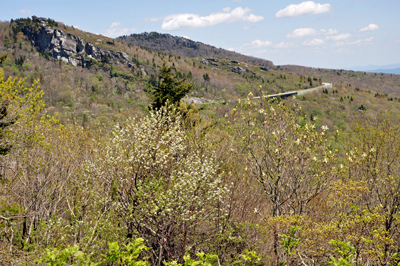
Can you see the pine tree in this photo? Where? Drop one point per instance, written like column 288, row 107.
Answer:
column 170, row 88
column 2, row 58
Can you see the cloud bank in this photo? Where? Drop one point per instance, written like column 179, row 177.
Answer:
column 305, row 8
column 25, row 11
column 314, row 42
column 298, row 33
column 370, row 27
column 115, row 31
column 179, row 21
column 303, row 32
column 339, row 37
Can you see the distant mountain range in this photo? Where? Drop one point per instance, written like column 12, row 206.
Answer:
column 388, row 69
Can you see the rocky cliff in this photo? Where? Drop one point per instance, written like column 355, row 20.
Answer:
column 67, row 47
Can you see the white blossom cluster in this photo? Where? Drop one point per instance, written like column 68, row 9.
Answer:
column 155, row 179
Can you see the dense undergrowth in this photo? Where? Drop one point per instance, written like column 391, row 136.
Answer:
column 264, row 186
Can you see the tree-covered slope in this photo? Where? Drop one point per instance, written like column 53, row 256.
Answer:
column 182, row 46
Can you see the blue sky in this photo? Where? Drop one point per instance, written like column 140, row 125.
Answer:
column 326, row 33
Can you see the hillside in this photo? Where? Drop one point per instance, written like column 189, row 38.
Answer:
column 182, row 46
column 381, row 83
column 95, row 78
column 92, row 78
column 90, row 175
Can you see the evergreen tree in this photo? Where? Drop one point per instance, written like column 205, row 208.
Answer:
column 170, row 88
column 4, row 147
column 2, row 58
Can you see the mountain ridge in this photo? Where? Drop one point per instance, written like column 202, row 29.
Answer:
column 167, row 43
column 372, row 68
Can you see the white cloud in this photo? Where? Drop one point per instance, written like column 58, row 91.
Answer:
column 257, row 44
column 302, row 32
column 186, row 37
column 354, row 42
column 348, row 43
column 25, row 11
column 231, row 49
column 283, row 45
column 314, row 42
column 114, row 31
column 339, row 37
column 298, row 33
column 179, row 21
column 226, row 9
column 153, row 19
column 115, row 24
column 246, row 28
column 370, row 27
column 329, row 32
column 305, row 8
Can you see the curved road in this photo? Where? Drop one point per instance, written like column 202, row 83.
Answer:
column 325, row 85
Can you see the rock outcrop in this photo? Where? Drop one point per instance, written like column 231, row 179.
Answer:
column 209, row 61
column 204, row 62
column 69, row 48
column 240, row 70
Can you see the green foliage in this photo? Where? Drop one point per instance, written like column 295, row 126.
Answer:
column 170, row 89
column 345, row 253
column 128, row 256
column 18, row 105
column 249, row 258
column 202, row 260
column 67, row 256
column 289, row 241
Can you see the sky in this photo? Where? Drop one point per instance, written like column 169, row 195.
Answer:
column 327, row 33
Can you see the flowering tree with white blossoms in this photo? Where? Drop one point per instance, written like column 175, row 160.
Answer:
column 164, row 193
column 292, row 160
column 288, row 156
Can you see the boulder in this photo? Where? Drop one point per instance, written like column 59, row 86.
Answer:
column 249, row 71
column 237, row 69
column 144, row 73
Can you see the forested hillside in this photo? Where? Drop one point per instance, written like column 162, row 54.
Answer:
column 182, row 46
column 107, row 162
